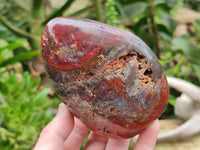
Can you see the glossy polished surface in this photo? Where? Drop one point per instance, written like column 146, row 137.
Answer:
column 108, row 77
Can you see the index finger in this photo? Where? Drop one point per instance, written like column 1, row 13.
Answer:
column 54, row 134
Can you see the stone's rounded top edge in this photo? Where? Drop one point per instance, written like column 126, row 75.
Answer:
column 93, row 26
column 100, row 34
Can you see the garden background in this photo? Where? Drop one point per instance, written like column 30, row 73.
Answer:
column 27, row 102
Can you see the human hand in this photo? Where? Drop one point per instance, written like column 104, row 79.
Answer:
column 66, row 132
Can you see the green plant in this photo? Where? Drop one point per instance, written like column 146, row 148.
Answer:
column 21, row 24
column 8, row 56
column 112, row 14
column 24, row 110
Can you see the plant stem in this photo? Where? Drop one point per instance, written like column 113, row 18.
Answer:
column 60, row 11
column 16, row 30
column 81, row 11
column 37, row 15
column 37, row 9
column 98, row 7
column 154, row 26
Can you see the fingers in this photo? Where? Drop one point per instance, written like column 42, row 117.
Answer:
column 148, row 137
column 117, row 144
column 99, row 142
column 54, row 134
column 96, row 141
column 77, row 136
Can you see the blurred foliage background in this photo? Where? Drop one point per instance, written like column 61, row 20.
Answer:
column 27, row 103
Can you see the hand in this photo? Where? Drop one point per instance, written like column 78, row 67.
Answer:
column 66, row 132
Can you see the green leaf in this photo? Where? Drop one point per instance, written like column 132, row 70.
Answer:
column 196, row 25
column 184, row 43
column 172, row 100
column 12, row 46
column 19, row 57
column 120, row 9
column 5, row 133
column 135, row 9
column 43, row 93
column 3, row 42
column 176, row 70
column 171, row 3
column 157, row 2
column 36, row 83
column 168, row 22
column 196, row 70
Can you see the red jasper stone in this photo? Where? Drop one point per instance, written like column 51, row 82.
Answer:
column 108, row 77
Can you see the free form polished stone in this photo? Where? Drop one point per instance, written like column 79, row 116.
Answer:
column 108, row 77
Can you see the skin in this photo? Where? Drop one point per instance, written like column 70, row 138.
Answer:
column 55, row 136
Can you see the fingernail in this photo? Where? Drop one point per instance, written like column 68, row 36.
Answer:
column 62, row 110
